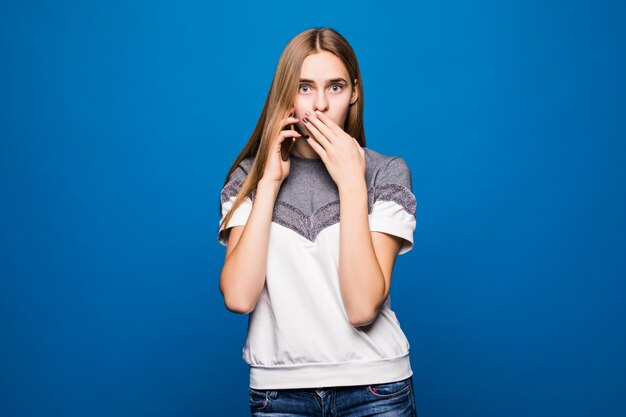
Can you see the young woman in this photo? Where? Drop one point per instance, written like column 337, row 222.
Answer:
column 312, row 221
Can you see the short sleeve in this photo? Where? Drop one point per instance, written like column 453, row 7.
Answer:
column 393, row 204
column 227, row 198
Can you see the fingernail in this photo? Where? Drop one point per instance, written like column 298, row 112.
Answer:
column 305, row 120
column 307, row 113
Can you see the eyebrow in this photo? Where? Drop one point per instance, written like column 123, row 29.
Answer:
column 334, row 80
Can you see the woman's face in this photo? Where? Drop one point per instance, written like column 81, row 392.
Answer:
column 324, row 86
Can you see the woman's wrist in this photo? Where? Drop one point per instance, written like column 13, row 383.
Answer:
column 269, row 187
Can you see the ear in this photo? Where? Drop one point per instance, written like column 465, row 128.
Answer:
column 355, row 93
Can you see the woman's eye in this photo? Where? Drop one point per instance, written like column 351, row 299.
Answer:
column 335, row 87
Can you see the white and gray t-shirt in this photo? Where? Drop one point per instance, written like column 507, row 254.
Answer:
column 299, row 335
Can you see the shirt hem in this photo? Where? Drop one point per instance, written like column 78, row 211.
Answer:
column 316, row 375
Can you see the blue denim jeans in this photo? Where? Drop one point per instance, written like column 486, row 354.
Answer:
column 394, row 399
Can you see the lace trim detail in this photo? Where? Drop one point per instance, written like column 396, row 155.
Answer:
column 310, row 226
column 231, row 190
column 397, row 193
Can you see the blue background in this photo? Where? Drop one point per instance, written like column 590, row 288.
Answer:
column 119, row 120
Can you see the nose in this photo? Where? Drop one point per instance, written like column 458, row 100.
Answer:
column 320, row 103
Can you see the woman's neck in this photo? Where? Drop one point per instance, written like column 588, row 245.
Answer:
column 303, row 149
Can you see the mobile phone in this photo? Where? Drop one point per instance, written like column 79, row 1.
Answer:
column 287, row 145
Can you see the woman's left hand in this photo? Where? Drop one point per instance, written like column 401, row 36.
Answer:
column 341, row 153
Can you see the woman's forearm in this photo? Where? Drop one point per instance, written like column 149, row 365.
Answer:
column 361, row 279
column 243, row 274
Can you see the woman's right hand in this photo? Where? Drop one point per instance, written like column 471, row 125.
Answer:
column 276, row 170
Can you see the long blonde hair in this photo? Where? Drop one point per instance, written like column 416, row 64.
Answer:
column 281, row 98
